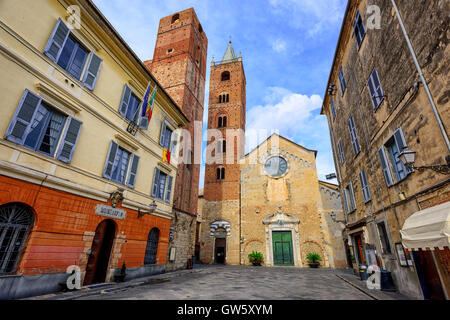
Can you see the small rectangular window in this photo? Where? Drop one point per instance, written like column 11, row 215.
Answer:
column 358, row 29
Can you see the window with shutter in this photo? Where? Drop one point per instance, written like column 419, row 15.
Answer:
column 385, row 167
column 166, row 136
column 110, row 160
column 333, row 110
column 375, row 89
column 92, row 71
column 57, row 40
column 384, row 238
column 155, row 182
column 358, row 28
column 69, row 141
column 24, row 117
column 152, row 247
column 345, row 200
column 169, row 188
column 126, row 95
column 161, row 185
column 351, row 196
column 342, row 81
column 353, row 135
column 341, row 152
column 133, row 171
column 365, row 186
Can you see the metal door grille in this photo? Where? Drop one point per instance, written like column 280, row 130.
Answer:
column 16, row 221
column 152, row 247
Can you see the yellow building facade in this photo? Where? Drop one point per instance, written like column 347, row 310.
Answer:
column 72, row 93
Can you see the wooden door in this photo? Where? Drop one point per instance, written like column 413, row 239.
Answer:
column 220, row 250
column 359, row 249
column 283, row 254
column 98, row 261
column 428, row 276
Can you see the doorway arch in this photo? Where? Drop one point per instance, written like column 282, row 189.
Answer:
column 98, row 262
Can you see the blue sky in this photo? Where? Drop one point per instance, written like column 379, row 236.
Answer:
column 287, row 48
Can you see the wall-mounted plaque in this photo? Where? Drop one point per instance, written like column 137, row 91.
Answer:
column 110, row 212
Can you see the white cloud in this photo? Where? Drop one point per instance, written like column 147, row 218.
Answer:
column 279, row 45
column 314, row 16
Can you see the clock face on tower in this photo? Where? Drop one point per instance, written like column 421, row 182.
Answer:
column 276, row 166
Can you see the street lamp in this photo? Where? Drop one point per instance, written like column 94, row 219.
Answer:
column 408, row 157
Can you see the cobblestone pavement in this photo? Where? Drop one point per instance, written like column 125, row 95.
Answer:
column 246, row 283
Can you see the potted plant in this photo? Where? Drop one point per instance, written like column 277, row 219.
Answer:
column 256, row 258
column 121, row 276
column 313, row 260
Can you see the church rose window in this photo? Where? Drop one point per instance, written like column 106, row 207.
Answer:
column 276, row 166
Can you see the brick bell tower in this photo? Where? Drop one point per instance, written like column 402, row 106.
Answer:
column 226, row 114
column 179, row 65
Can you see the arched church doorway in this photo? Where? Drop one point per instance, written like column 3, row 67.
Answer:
column 102, row 244
column 220, row 246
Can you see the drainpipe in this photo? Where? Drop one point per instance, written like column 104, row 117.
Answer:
column 422, row 78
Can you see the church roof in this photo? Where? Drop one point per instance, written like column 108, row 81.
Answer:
column 229, row 55
column 276, row 134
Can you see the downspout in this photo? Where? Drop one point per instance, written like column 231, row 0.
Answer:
column 422, row 78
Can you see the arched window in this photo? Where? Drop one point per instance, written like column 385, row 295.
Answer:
column 224, row 98
column 152, row 247
column 16, row 221
column 222, row 121
column 220, row 173
column 225, row 76
column 175, row 18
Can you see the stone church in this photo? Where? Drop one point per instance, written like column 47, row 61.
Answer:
column 269, row 200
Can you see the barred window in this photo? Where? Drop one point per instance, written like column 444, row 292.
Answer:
column 152, row 247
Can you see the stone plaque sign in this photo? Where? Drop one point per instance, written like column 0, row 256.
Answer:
column 110, row 212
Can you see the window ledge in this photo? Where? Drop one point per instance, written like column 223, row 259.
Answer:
column 50, row 95
column 126, row 143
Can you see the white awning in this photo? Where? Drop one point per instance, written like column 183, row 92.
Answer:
column 429, row 228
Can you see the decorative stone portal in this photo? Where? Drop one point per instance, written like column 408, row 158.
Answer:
column 220, row 230
column 278, row 223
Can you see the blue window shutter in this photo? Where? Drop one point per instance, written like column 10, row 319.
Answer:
column 385, row 167
column 23, row 118
column 112, row 153
column 365, row 186
column 163, row 133
column 353, row 135
column 341, row 152
column 57, row 40
column 342, row 80
column 169, row 189
column 344, row 193
column 133, row 171
column 126, row 96
column 333, row 109
column 155, row 185
column 70, row 139
column 372, row 92
column 92, row 71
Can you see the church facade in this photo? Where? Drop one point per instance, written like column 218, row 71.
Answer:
column 269, row 200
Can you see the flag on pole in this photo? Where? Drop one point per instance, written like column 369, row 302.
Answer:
column 149, row 100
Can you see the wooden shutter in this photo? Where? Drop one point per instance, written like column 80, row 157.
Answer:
column 341, row 152
column 133, row 171
column 344, row 193
column 333, row 109
column 92, row 71
column 352, row 197
column 385, row 167
column 113, row 148
column 353, row 135
column 169, row 188
column 342, row 80
column 57, row 40
column 23, row 118
column 126, row 96
column 155, row 185
column 70, row 139
column 365, row 186
column 163, row 134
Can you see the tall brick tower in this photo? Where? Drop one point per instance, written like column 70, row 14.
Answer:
column 226, row 114
column 179, row 64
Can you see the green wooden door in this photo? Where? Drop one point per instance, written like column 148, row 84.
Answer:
column 283, row 254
